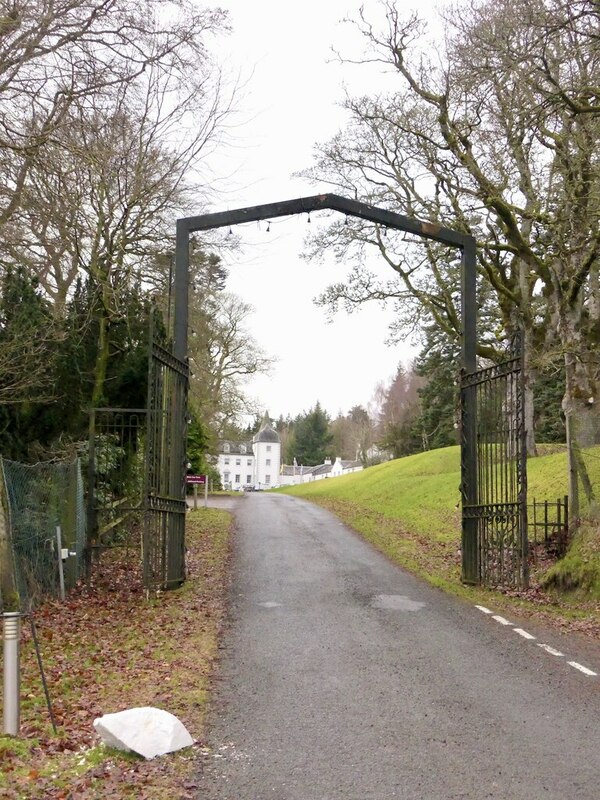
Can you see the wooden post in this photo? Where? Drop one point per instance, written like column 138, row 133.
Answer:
column 9, row 594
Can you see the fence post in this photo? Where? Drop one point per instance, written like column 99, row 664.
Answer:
column 9, row 594
column 61, row 574
column 11, row 627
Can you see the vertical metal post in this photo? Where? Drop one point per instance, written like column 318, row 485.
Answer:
column 195, row 497
column 149, row 474
column 206, row 491
column 469, row 488
column 522, row 469
column 11, row 626
column 61, row 574
column 182, row 269
column 91, row 501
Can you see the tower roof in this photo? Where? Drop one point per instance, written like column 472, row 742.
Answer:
column 266, row 433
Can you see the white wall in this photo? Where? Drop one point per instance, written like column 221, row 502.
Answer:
column 244, row 471
column 267, row 464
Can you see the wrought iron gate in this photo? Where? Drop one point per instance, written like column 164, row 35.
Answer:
column 163, row 543
column 116, row 478
column 136, row 475
column 494, row 475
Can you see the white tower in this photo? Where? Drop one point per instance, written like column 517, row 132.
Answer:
column 267, row 455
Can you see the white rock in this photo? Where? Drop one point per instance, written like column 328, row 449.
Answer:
column 147, row 731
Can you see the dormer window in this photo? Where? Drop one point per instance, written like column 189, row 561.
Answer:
column 242, row 448
column 226, row 447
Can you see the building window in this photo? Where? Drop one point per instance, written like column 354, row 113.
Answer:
column 267, row 480
column 248, row 479
column 249, row 462
column 268, row 462
column 268, row 448
column 226, row 447
column 238, row 461
column 242, row 448
column 226, row 460
column 237, row 478
column 225, row 477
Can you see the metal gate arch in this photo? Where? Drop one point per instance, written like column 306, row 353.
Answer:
column 473, row 534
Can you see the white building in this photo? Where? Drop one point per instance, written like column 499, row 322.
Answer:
column 253, row 464
column 257, row 464
column 292, row 475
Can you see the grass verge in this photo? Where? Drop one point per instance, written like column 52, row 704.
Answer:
column 409, row 509
column 106, row 649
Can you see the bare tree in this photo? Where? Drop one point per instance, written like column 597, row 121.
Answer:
column 54, row 53
column 223, row 355
column 496, row 135
column 101, row 199
column 353, row 434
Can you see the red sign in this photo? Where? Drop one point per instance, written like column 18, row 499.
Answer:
column 195, row 479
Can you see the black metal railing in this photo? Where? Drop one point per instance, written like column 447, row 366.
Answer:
column 136, row 474
column 548, row 525
column 494, row 472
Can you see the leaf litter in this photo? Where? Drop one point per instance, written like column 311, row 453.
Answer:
column 108, row 648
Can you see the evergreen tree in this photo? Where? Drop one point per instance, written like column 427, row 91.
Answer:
column 29, row 342
column 549, row 418
column 313, row 437
column 439, row 364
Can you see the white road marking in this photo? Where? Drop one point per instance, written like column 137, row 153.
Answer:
column 581, row 668
column 501, row 620
column 550, row 650
column 546, row 647
column 523, row 633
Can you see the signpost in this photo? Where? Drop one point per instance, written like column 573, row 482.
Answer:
column 195, row 481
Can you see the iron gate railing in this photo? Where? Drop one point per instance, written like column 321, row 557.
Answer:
column 136, row 474
column 552, row 519
column 163, row 544
column 499, row 474
column 116, row 468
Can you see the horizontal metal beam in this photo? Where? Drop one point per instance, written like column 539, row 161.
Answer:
column 333, row 202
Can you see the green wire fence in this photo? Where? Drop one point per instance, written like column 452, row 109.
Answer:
column 42, row 531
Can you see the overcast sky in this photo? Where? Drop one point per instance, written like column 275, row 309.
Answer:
column 293, row 89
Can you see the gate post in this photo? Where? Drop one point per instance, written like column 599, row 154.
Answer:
column 91, row 497
column 182, row 268
column 470, row 572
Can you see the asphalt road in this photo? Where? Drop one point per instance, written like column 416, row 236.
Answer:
column 344, row 677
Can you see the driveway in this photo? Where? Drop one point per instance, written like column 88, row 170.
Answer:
column 344, row 677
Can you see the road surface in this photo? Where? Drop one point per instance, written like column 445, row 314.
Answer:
column 344, row 677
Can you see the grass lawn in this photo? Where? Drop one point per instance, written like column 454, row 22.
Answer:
column 409, row 509
column 106, row 649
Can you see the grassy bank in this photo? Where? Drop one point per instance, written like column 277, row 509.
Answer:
column 107, row 649
column 409, row 509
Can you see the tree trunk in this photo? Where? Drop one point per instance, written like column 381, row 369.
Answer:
column 579, row 405
column 101, row 366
